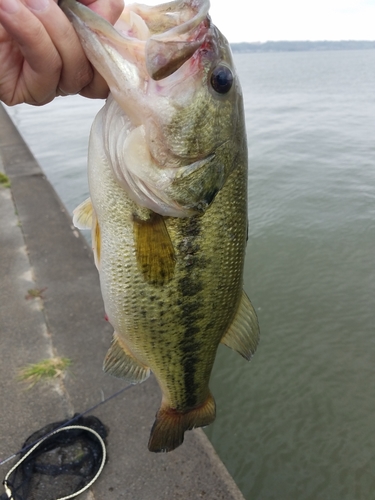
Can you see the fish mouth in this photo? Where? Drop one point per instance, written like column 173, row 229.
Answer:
column 164, row 36
column 167, row 52
column 143, row 61
column 145, row 45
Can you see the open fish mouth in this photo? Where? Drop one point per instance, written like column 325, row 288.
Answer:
column 165, row 36
column 154, row 61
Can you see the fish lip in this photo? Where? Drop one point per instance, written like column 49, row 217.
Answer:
column 82, row 14
column 105, row 28
column 203, row 6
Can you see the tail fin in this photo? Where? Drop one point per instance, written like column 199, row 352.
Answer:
column 169, row 427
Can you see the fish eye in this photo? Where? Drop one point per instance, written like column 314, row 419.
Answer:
column 222, row 79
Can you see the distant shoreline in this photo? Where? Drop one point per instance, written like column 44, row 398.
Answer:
column 299, row 46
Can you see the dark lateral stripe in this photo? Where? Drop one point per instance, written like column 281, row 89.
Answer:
column 190, row 289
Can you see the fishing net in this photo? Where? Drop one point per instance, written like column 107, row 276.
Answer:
column 58, row 462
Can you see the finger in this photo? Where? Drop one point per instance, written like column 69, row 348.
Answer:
column 40, row 74
column 109, row 9
column 97, row 88
column 76, row 71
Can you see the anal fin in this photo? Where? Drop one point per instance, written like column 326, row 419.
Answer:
column 169, row 427
column 119, row 362
column 243, row 334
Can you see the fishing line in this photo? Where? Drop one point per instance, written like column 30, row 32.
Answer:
column 67, row 423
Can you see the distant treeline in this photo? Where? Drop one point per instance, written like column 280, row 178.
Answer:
column 301, row 46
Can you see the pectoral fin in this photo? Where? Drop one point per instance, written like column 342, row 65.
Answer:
column 119, row 362
column 243, row 334
column 96, row 242
column 82, row 215
column 155, row 252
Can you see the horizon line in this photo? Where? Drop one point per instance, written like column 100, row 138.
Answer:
column 306, row 41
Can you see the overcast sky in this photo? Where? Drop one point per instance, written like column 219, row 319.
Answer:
column 262, row 20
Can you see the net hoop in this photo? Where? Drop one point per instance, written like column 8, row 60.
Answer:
column 7, row 488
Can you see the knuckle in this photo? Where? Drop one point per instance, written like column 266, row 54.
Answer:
column 77, row 80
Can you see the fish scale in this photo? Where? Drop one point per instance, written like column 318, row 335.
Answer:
column 168, row 209
column 199, row 288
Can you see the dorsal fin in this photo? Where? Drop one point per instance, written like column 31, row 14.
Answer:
column 243, row 334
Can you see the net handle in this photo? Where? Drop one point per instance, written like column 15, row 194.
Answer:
column 8, row 491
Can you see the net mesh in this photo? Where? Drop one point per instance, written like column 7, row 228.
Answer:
column 61, row 465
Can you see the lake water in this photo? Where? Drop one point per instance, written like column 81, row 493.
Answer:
column 298, row 422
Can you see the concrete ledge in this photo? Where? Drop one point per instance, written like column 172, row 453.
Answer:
column 39, row 248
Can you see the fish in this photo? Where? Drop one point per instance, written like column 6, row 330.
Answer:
column 167, row 170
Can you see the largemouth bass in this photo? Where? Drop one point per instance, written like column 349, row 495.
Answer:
column 167, row 173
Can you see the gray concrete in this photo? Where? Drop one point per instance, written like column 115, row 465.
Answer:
column 39, row 248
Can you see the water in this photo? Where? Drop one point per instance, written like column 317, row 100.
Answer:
column 298, row 421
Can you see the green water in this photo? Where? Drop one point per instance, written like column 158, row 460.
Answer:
column 298, row 422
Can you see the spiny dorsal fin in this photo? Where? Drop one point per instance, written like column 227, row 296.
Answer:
column 119, row 362
column 82, row 215
column 155, row 252
column 243, row 334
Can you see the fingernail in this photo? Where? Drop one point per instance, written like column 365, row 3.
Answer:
column 38, row 5
column 9, row 6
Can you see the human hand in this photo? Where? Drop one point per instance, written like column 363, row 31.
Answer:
column 40, row 54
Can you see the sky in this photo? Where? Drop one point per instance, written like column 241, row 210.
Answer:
column 263, row 20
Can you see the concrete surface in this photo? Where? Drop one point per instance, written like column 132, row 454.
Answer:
column 39, row 248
